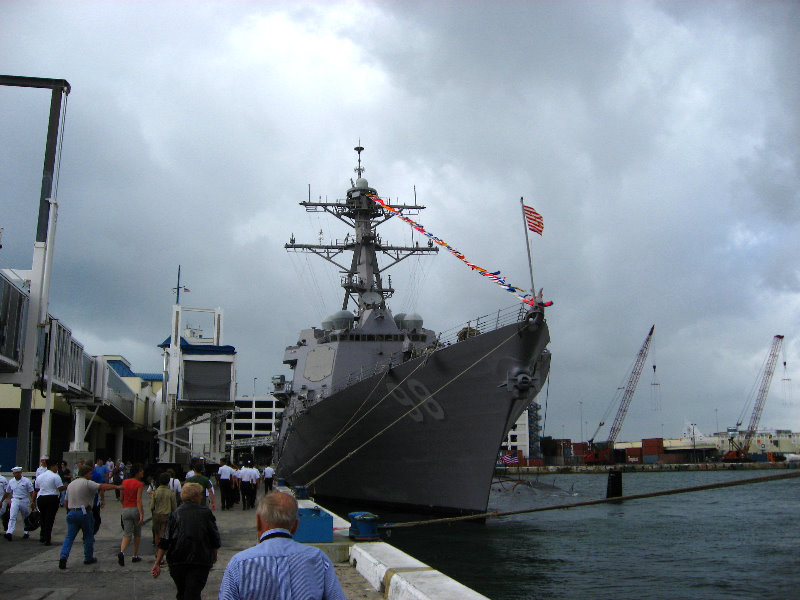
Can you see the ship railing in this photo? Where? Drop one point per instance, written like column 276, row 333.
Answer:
column 394, row 359
column 483, row 324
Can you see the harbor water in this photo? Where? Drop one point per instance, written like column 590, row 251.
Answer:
column 739, row 542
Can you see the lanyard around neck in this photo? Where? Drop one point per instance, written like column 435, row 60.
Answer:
column 275, row 534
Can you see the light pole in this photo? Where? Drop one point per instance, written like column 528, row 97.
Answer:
column 580, row 403
column 253, row 420
column 694, row 445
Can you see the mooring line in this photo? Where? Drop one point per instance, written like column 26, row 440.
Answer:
column 670, row 492
column 350, row 423
column 409, row 411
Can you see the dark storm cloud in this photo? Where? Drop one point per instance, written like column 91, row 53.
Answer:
column 659, row 141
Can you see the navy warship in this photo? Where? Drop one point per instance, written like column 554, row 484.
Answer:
column 386, row 412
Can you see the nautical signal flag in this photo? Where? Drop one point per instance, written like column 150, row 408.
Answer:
column 531, row 299
column 533, row 219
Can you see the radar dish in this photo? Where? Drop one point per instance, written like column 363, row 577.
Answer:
column 371, row 298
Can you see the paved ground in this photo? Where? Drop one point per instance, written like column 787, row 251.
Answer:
column 29, row 570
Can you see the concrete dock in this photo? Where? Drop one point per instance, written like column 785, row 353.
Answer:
column 29, row 570
column 367, row 571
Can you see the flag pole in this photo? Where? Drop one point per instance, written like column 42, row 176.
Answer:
column 527, row 243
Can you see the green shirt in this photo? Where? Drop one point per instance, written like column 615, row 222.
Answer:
column 205, row 482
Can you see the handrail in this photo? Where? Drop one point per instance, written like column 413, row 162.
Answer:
column 482, row 324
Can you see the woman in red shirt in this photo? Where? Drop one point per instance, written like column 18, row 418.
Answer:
column 132, row 514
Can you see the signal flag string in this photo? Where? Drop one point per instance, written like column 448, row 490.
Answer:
column 531, row 299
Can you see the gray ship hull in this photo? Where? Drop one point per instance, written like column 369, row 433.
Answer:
column 362, row 443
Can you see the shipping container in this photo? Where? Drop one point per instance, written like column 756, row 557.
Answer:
column 653, row 443
column 649, row 459
column 580, row 448
column 633, row 455
column 677, row 458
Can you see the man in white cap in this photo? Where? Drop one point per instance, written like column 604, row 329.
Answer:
column 20, row 491
column 42, row 465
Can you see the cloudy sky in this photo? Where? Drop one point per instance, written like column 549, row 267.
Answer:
column 660, row 142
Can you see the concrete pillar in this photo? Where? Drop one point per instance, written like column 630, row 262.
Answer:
column 119, row 432
column 78, row 444
column 162, row 427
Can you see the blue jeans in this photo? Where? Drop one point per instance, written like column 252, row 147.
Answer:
column 77, row 521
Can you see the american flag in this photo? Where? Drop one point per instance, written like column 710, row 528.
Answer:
column 533, row 219
column 512, row 458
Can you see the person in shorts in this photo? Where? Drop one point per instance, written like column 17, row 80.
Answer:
column 132, row 514
column 162, row 503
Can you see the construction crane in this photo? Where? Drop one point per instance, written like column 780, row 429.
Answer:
column 738, row 453
column 604, row 453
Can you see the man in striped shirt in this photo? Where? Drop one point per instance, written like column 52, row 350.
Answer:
column 279, row 568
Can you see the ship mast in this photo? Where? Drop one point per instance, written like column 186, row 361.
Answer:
column 362, row 281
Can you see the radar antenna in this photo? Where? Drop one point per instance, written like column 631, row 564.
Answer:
column 359, row 169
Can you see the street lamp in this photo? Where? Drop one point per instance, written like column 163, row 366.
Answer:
column 253, row 420
column 580, row 402
column 694, row 445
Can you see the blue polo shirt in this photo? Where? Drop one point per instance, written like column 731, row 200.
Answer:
column 100, row 474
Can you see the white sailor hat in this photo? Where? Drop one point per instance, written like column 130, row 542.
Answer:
column 16, row 470
column 44, row 457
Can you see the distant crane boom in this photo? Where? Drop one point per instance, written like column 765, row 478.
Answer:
column 630, row 388
column 604, row 454
column 763, row 390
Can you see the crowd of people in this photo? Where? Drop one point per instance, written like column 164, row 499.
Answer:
column 184, row 528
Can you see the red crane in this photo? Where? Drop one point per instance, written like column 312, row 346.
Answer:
column 739, row 453
column 603, row 453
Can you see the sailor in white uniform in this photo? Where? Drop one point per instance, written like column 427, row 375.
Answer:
column 3, row 501
column 20, row 490
column 42, row 465
column 268, row 474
